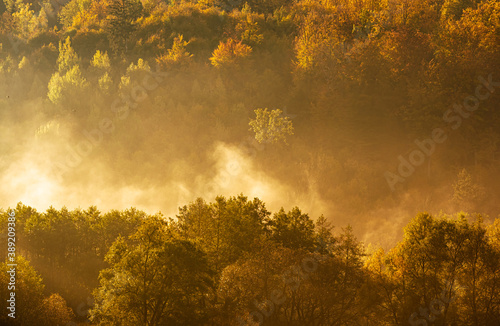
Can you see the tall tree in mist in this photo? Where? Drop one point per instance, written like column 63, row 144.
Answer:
column 271, row 126
column 67, row 84
column 466, row 193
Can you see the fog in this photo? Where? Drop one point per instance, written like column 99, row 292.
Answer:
column 34, row 148
column 30, row 177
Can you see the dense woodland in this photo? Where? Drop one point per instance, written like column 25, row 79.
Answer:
column 96, row 96
column 359, row 80
column 233, row 262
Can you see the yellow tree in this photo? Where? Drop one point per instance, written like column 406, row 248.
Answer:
column 229, row 53
column 177, row 56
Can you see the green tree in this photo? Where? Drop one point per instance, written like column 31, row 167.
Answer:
column 226, row 228
column 293, row 229
column 154, row 279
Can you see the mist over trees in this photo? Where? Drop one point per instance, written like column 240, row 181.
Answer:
column 139, row 94
column 362, row 113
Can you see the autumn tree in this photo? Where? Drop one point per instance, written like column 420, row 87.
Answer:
column 72, row 10
column 68, row 81
column 100, row 61
column 253, row 282
column 55, row 311
column 229, row 53
column 177, row 56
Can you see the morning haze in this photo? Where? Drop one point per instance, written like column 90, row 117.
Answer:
column 224, row 162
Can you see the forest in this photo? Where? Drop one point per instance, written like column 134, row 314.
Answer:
column 129, row 127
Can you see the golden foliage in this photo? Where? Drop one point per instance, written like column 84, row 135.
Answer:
column 176, row 56
column 229, row 53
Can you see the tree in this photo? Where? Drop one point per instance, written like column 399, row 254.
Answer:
column 115, row 224
column 255, row 279
column 100, row 60
column 67, row 58
column 177, row 56
column 121, row 18
column 55, row 311
column 442, row 272
column 105, row 82
column 293, row 230
column 229, row 53
column 466, row 193
column 67, row 82
column 25, row 21
column 276, row 285
column 72, row 10
column 10, row 5
column 453, row 9
column 478, row 304
column 155, row 278
column 325, row 239
column 62, row 87
column 226, row 228
column 29, row 289
column 43, row 20
column 270, row 126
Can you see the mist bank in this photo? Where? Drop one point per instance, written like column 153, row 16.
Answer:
column 160, row 117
